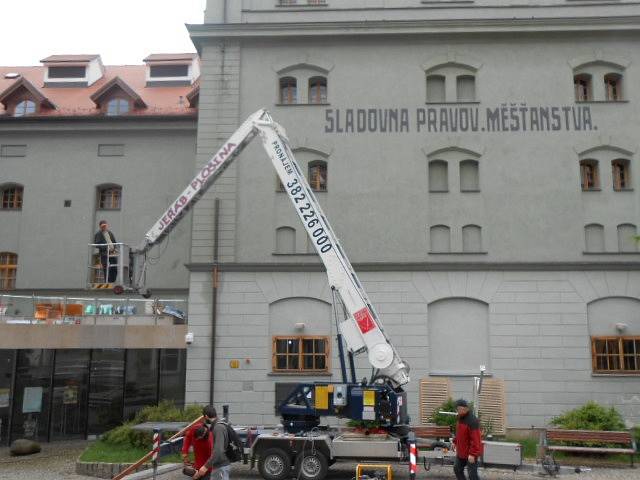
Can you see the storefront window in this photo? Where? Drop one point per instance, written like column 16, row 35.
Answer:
column 70, row 391
column 141, row 384
column 32, row 392
column 172, row 375
column 6, row 373
column 106, row 390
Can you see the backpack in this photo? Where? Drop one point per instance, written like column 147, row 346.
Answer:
column 234, row 450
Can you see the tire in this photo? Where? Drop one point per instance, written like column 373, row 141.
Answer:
column 311, row 465
column 274, row 464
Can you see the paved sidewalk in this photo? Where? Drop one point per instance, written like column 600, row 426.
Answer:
column 346, row 471
column 57, row 462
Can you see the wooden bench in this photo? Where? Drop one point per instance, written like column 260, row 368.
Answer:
column 440, row 432
column 590, row 436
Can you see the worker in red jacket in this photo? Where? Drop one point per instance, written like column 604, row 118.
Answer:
column 468, row 442
column 201, row 439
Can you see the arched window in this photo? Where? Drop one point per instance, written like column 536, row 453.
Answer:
column 117, row 106
column 613, row 87
column 318, row 175
column 288, row 90
column 285, row 240
column 582, row 87
column 594, row 237
column 466, row 88
column 469, row 177
column 11, row 197
column 436, row 89
column 438, row 178
column 620, row 174
column 8, row 268
column 440, row 239
column 25, row 107
column 317, row 90
column 471, row 238
column 589, row 175
column 109, row 197
column 627, row 238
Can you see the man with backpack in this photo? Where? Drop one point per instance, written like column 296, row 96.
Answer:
column 218, row 462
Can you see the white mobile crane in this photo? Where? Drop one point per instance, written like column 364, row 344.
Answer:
column 380, row 399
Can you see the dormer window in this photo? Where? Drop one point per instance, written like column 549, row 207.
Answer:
column 25, row 107
column 72, row 70
column 117, row 98
column 172, row 69
column 22, row 98
column 68, row 72
column 117, row 106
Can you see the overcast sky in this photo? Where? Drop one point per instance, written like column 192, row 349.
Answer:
column 123, row 32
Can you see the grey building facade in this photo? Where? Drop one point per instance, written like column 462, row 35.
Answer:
column 82, row 142
column 478, row 162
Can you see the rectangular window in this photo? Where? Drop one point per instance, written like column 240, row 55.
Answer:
column 300, row 354
column 109, row 198
column 615, row 354
column 8, row 269
column 106, row 150
column 163, row 71
column 13, row 151
column 67, row 72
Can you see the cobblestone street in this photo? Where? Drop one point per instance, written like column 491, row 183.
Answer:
column 57, row 462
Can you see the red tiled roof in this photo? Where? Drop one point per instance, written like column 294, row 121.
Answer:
column 69, row 58
column 76, row 101
column 163, row 57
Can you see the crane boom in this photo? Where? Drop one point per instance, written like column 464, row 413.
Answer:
column 361, row 329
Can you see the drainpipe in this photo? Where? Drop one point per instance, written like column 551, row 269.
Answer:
column 214, row 293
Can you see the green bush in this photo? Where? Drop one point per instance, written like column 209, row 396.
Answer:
column 590, row 416
column 443, row 419
column 165, row 411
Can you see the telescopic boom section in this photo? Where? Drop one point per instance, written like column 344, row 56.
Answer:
column 361, row 330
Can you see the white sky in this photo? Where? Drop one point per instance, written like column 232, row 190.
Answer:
column 123, row 32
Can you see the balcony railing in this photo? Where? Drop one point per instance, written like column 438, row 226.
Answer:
column 37, row 309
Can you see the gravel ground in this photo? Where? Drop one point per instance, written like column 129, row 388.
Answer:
column 57, row 461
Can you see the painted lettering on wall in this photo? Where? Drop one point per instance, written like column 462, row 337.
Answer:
column 512, row 117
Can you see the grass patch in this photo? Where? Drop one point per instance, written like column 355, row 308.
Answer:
column 529, row 446
column 100, row 451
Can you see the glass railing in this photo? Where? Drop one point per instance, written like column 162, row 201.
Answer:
column 62, row 310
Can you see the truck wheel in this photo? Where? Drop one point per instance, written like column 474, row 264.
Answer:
column 311, row 466
column 274, row 464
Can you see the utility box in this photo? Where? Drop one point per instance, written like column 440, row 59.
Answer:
column 504, row 454
column 339, row 395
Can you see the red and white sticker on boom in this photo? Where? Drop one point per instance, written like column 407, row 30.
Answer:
column 364, row 319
